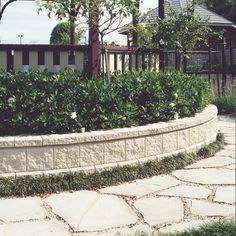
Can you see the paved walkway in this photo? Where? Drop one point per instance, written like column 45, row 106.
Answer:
column 199, row 193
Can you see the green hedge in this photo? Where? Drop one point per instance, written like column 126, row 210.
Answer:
column 40, row 102
column 31, row 185
column 226, row 104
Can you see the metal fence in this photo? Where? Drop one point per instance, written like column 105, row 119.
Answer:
column 218, row 63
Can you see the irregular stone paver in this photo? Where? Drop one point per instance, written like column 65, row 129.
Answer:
column 230, row 139
column 138, row 229
column 206, row 176
column 203, row 208
column 225, row 194
column 230, row 147
column 160, row 210
column 20, row 209
column 187, row 191
column 226, row 153
column 142, row 187
column 90, row 211
column 183, row 226
column 212, row 162
column 232, row 167
column 36, row 228
column 227, row 130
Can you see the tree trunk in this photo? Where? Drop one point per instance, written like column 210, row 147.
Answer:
column 73, row 15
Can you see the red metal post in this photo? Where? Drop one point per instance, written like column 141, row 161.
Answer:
column 161, row 13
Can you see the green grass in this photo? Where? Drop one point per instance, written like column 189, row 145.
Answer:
column 226, row 104
column 46, row 184
column 218, row 228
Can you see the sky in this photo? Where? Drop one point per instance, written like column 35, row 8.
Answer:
column 21, row 18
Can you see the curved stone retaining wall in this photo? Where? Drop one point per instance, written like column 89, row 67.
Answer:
column 104, row 149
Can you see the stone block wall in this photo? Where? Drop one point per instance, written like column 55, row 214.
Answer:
column 101, row 149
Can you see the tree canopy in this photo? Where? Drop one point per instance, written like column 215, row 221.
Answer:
column 60, row 34
column 182, row 30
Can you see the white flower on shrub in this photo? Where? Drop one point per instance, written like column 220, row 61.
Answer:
column 38, row 2
column 176, row 95
column 124, row 118
column 105, row 118
column 172, row 104
column 158, row 114
column 73, row 115
column 11, row 99
column 161, row 41
column 176, row 116
column 82, row 130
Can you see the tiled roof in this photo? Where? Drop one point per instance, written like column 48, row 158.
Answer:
column 214, row 19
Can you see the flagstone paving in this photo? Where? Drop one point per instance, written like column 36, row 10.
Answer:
column 202, row 192
column 225, row 194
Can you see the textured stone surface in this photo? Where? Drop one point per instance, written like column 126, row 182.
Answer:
column 142, row 187
column 20, row 209
column 114, row 151
column 7, row 142
column 167, row 210
column 183, row 139
column 187, row 191
column 153, row 145
column 39, row 158
column 170, row 142
column 225, row 194
column 12, row 160
column 202, row 133
column 27, row 141
column 66, row 156
column 212, row 162
column 204, row 208
column 193, row 139
column 92, row 211
column 36, row 228
column 91, row 154
column 135, row 148
column 180, row 227
column 206, row 176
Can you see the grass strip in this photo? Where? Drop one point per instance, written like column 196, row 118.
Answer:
column 216, row 228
